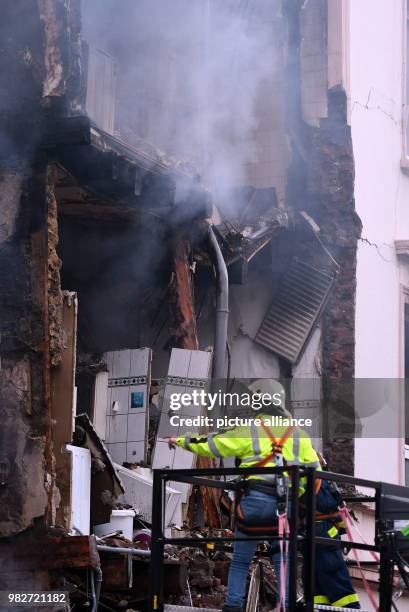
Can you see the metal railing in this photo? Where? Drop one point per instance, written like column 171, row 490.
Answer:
column 214, row 478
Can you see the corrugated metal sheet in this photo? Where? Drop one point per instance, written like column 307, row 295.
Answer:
column 295, row 309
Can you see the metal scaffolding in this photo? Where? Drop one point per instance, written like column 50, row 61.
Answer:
column 391, row 503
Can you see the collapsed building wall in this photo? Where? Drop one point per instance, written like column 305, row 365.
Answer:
column 319, row 180
column 27, row 483
column 39, row 49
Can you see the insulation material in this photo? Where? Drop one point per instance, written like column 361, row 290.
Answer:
column 128, row 402
column 296, row 308
column 188, row 370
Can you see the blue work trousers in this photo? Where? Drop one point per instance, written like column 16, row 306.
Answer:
column 333, row 584
column 257, row 509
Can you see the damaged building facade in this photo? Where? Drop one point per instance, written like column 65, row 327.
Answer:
column 177, row 198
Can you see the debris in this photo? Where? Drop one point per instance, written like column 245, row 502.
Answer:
column 106, row 486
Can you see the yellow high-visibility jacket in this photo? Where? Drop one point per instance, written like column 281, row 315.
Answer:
column 251, row 444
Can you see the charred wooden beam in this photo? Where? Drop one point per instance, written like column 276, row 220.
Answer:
column 44, row 552
column 183, row 317
column 62, row 131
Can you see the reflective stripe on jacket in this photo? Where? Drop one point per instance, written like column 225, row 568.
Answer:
column 251, row 444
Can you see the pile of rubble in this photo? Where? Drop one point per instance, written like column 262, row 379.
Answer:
column 206, row 580
column 207, row 574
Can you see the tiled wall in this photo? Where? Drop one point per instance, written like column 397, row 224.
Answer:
column 128, row 401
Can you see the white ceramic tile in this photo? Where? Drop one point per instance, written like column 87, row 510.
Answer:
column 117, row 452
column 118, row 428
column 121, row 364
column 140, row 362
column 119, row 401
column 136, row 427
column 135, row 451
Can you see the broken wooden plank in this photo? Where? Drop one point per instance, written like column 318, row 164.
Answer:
column 183, row 317
column 62, row 407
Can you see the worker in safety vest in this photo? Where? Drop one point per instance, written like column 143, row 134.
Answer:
column 333, row 585
column 256, row 446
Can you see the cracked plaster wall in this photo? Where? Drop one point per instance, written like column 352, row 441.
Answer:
column 382, row 197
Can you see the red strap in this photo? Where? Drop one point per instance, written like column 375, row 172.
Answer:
column 346, row 516
column 283, row 532
column 277, row 445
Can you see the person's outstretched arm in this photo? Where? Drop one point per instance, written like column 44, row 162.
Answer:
column 230, row 443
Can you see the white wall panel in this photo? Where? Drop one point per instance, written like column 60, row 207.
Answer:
column 100, row 404
column 81, row 488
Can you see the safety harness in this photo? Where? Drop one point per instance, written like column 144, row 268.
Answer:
column 276, row 488
column 279, row 489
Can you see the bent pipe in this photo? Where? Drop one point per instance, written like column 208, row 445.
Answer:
column 94, row 599
column 97, row 585
column 222, row 309
column 121, row 549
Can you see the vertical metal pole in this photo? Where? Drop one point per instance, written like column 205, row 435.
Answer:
column 385, row 564
column 293, row 548
column 157, row 546
column 385, row 581
column 309, row 558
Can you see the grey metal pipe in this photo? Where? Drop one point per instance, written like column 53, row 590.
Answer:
column 222, row 309
column 94, row 599
column 97, row 584
column 121, row 549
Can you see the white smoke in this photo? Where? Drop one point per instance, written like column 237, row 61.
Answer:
column 191, row 76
